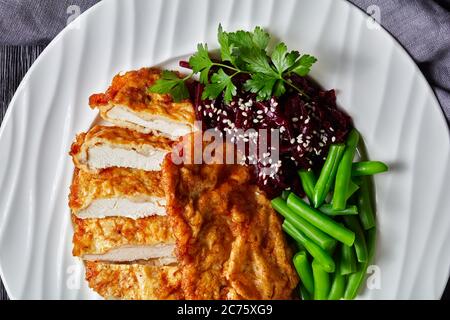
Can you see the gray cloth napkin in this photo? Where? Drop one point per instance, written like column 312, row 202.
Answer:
column 423, row 28
column 33, row 22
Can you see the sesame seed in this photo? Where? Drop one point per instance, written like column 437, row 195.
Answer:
column 282, row 129
column 333, row 139
column 199, row 108
column 294, row 119
column 292, row 141
column 259, row 112
column 210, row 115
column 255, row 120
column 244, row 114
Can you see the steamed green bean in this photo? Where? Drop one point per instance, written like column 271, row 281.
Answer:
column 328, row 210
column 308, row 181
column 314, row 250
column 327, row 174
column 321, row 281
column 303, row 267
column 310, row 231
column 344, row 172
column 367, row 168
column 320, row 220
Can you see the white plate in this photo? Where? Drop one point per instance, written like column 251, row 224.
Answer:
column 377, row 83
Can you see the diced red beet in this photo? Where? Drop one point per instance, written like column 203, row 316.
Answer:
column 310, row 126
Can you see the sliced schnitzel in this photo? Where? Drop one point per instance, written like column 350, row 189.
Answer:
column 104, row 147
column 117, row 192
column 128, row 103
column 230, row 244
column 121, row 239
column 134, row 281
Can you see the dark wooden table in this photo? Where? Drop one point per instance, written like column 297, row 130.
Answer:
column 14, row 63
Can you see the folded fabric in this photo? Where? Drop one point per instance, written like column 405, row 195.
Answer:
column 423, row 28
column 33, row 22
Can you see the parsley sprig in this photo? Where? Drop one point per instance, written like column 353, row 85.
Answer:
column 241, row 52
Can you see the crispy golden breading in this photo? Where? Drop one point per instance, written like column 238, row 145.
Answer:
column 98, row 236
column 130, row 90
column 113, row 183
column 230, row 244
column 116, row 137
column 133, row 281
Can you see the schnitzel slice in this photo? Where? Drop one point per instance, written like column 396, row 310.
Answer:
column 119, row 239
column 104, row 147
column 230, row 244
column 134, row 281
column 122, row 192
column 128, row 103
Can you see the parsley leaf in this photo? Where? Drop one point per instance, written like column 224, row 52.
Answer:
column 171, row 83
column 279, row 88
column 303, row 65
column 226, row 48
column 220, row 81
column 201, row 62
column 283, row 60
column 261, row 84
column 258, row 62
column 241, row 52
column 261, row 38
